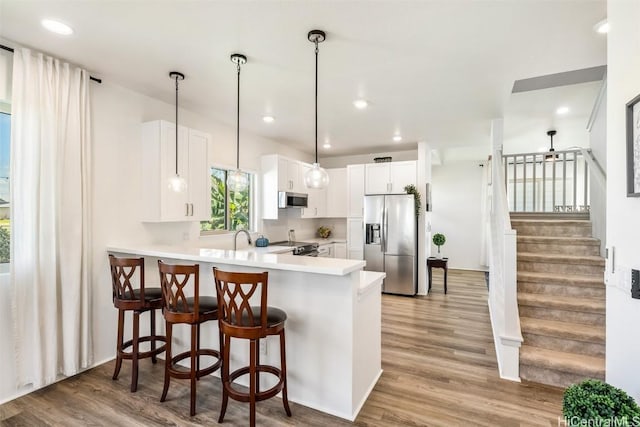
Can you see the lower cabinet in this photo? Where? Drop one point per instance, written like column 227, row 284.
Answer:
column 340, row 250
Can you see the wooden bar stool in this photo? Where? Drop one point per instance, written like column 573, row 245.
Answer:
column 139, row 299
column 238, row 319
column 195, row 310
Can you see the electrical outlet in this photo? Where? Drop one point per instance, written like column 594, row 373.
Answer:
column 263, row 347
column 635, row 284
column 185, row 236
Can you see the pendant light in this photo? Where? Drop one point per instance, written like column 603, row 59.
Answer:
column 237, row 180
column 176, row 182
column 551, row 156
column 316, row 177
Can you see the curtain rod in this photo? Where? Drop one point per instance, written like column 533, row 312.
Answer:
column 95, row 79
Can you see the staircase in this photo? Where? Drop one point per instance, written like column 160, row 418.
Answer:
column 561, row 300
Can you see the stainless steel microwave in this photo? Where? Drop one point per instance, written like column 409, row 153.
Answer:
column 292, row 200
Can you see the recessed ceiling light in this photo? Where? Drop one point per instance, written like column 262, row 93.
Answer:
column 562, row 110
column 326, row 145
column 602, row 27
column 57, row 27
column 268, row 119
column 397, row 138
column 360, row 104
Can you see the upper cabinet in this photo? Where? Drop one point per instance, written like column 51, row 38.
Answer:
column 159, row 164
column 355, row 189
column 392, row 177
column 336, row 199
column 281, row 174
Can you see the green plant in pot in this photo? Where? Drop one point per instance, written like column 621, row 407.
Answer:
column 438, row 240
column 324, row 232
column 593, row 402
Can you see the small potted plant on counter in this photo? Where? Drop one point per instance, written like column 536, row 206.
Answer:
column 439, row 240
column 324, row 232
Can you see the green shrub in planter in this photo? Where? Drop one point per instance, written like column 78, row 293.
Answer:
column 593, row 402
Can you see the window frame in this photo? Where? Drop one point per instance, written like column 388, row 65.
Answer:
column 253, row 214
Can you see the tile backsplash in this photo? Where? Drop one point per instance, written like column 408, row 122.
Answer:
column 289, row 219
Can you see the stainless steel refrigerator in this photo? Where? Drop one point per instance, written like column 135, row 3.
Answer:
column 391, row 241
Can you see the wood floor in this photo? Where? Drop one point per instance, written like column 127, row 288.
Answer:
column 439, row 370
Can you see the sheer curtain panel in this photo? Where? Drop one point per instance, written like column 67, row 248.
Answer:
column 50, row 218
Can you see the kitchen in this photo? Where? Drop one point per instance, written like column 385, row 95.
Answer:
column 126, row 99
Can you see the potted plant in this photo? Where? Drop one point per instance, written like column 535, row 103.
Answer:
column 438, row 240
column 324, row 232
column 593, row 402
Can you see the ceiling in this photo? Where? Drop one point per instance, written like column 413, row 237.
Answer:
column 434, row 71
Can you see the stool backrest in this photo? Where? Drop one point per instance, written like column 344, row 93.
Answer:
column 125, row 273
column 174, row 279
column 234, row 291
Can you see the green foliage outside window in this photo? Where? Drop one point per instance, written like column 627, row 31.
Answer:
column 230, row 210
column 5, row 239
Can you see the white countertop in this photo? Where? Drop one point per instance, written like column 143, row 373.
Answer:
column 267, row 257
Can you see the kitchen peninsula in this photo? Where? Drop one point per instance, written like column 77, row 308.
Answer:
column 333, row 319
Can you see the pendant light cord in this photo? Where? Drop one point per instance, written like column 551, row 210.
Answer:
column 238, row 124
column 176, row 125
column 316, row 100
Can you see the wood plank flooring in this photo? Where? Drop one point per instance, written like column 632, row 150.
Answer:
column 439, row 370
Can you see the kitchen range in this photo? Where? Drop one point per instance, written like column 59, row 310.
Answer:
column 300, row 248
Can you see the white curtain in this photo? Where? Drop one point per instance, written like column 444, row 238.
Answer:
column 50, row 218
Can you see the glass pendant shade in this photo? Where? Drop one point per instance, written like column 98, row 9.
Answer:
column 316, row 177
column 177, row 183
column 237, row 180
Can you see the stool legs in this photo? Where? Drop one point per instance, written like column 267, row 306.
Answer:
column 154, row 359
column 135, row 350
column 225, row 375
column 283, row 369
column 116, row 372
column 252, row 382
column 167, row 362
column 195, row 333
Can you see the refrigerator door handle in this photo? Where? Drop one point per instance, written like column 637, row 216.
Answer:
column 383, row 236
column 385, row 230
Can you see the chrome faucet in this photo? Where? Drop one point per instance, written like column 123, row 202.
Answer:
column 235, row 237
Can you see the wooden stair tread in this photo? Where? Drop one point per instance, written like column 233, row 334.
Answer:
column 561, row 258
column 564, row 279
column 558, row 239
column 566, row 330
column 562, row 361
column 571, row 303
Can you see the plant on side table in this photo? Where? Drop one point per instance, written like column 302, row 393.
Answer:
column 438, row 240
column 593, row 402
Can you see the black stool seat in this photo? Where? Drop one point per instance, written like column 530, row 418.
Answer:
column 274, row 317
column 150, row 294
column 205, row 305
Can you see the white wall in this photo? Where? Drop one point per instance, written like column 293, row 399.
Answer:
column 457, row 197
column 117, row 114
column 623, row 213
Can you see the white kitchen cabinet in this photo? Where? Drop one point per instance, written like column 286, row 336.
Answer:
column 355, row 238
column 317, row 201
column 279, row 174
column 160, row 203
column 336, row 194
column 340, row 250
column 392, row 177
column 355, row 190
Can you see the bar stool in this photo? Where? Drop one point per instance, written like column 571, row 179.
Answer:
column 138, row 300
column 195, row 310
column 238, row 319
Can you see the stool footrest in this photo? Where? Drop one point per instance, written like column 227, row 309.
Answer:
column 260, row 395
column 128, row 355
column 183, row 374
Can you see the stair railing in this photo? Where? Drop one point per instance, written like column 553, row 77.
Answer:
column 555, row 181
column 503, row 297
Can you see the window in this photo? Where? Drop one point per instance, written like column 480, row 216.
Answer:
column 5, row 220
column 230, row 210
